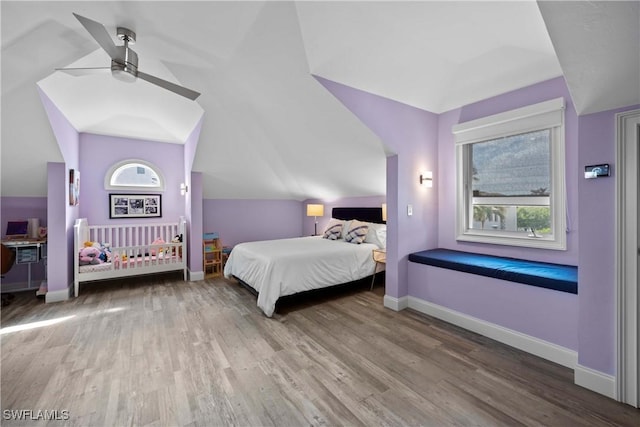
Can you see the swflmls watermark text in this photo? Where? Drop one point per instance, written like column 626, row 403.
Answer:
column 35, row 415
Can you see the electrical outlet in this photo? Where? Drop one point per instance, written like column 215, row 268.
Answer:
column 409, row 210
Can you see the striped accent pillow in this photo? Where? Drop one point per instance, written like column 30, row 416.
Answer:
column 357, row 232
column 333, row 232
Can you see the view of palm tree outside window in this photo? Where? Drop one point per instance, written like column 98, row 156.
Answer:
column 511, row 184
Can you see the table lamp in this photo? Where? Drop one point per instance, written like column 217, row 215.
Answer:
column 315, row 211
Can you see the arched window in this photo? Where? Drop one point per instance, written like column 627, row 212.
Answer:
column 134, row 174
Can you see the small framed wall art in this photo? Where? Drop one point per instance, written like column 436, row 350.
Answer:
column 135, row 205
column 74, row 187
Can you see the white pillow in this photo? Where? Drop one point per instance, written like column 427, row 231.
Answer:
column 345, row 227
column 377, row 234
column 357, row 232
column 333, row 230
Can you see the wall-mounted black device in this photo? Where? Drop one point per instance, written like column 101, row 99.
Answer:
column 596, row 171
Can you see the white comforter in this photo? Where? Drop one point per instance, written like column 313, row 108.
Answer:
column 283, row 267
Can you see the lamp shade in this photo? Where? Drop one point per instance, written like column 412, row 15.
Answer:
column 315, row 210
column 384, row 212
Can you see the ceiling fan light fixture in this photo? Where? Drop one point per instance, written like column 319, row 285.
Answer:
column 122, row 72
column 123, row 76
column 124, row 61
column 125, row 68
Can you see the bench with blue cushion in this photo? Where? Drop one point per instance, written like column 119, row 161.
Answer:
column 545, row 275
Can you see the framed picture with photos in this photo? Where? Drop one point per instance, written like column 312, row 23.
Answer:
column 135, row 205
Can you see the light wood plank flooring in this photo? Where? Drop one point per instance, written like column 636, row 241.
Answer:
column 157, row 351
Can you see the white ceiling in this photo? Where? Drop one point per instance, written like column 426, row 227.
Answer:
column 598, row 45
column 100, row 104
column 432, row 55
column 270, row 130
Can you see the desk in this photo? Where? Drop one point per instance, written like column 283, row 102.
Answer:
column 29, row 251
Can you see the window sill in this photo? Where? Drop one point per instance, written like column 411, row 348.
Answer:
column 526, row 242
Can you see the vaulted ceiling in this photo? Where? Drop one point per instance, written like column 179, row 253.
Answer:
column 270, row 130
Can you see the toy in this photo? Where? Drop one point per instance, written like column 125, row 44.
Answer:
column 176, row 239
column 90, row 256
column 158, row 241
column 105, row 252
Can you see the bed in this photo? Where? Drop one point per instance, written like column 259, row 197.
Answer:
column 113, row 251
column 278, row 268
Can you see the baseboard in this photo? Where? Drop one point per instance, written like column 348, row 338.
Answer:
column 396, row 304
column 593, row 380
column 541, row 348
column 194, row 276
column 58, row 296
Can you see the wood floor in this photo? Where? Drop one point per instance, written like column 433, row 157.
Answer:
column 161, row 352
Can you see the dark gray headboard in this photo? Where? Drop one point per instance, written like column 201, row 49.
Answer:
column 361, row 214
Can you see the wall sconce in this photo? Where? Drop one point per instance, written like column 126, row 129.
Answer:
column 426, row 179
column 183, row 189
column 315, row 211
column 384, row 212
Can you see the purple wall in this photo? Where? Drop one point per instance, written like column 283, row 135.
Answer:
column 241, row 220
column 423, row 141
column 411, row 133
column 18, row 209
column 193, row 202
column 60, row 219
column 98, row 153
column 542, row 313
column 589, row 139
column 238, row 220
column 60, row 216
column 195, row 212
column 392, row 265
column 532, row 311
column 596, row 274
column 347, row 202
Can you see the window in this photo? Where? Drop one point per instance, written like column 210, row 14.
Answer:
column 134, row 175
column 511, row 187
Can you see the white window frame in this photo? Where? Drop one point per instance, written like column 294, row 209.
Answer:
column 545, row 115
column 109, row 175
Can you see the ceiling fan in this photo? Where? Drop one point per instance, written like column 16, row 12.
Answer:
column 124, row 61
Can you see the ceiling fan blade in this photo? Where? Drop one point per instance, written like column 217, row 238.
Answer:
column 180, row 90
column 100, row 34
column 84, row 71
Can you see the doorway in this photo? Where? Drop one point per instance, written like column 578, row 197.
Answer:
column 627, row 257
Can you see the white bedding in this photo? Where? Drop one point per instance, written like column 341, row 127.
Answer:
column 283, row 267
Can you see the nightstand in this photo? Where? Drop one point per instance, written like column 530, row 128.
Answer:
column 380, row 257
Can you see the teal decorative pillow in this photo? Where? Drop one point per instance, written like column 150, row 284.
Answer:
column 333, row 232
column 357, row 232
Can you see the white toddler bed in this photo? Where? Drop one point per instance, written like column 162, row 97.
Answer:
column 129, row 250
